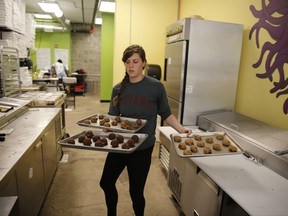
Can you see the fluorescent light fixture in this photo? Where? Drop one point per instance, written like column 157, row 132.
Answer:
column 98, row 21
column 49, row 27
column 42, row 16
column 107, row 7
column 49, row 7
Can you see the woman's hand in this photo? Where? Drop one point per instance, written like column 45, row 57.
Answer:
column 173, row 122
column 187, row 131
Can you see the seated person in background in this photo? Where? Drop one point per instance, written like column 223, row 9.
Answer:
column 61, row 69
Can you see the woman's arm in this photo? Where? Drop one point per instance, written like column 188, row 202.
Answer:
column 174, row 123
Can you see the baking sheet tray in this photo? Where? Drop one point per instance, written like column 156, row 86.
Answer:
column 87, row 122
column 224, row 149
column 104, row 135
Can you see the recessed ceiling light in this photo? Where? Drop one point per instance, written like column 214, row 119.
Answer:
column 107, row 7
column 49, row 7
column 42, row 16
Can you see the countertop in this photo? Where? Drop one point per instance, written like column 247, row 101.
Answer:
column 27, row 129
column 257, row 189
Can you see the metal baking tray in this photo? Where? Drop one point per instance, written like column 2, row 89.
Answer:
column 117, row 127
column 224, row 149
column 108, row 147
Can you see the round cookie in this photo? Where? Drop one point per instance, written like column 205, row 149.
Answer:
column 117, row 119
column 131, row 142
column 219, row 137
column 125, row 146
column 226, row 142
column 114, row 143
column 89, row 134
column 114, row 123
column 138, row 122
column 104, row 141
column 232, row 148
column 200, row 144
column 182, row 146
column 197, row 137
column 207, row 150
column 187, row 152
column 135, row 125
column 106, row 124
column 94, row 119
column 120, row 138
column 135, row 138
column 111, row 136
column 177, row 139
column 209, row 140
column 216, row 147
column 87, row 121
column 87, row 141
column 98, row 143
column 81, row 138
column 189, row 142
column 193, row 149
column 96, row 138
column 71, row 141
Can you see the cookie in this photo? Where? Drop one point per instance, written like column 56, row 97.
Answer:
column 189, row 142
column 200, row 144
column 207, row 150
column 209, row 140
column 177, row 139
column 182, row 146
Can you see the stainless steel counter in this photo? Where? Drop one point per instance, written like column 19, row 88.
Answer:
column 256, row 188
column 27, row 128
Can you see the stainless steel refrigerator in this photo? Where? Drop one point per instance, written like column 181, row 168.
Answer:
column 202, row 61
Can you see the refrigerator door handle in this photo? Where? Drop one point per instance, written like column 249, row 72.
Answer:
column 165, row 69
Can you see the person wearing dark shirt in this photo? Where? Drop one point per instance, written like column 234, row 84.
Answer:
column 141, row 97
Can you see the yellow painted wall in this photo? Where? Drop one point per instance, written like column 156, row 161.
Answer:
column 142, row 22
column 253, row 96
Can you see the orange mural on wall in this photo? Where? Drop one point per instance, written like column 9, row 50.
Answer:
column 273, row 17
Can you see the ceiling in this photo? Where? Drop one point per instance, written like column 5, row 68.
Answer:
column 78, row 12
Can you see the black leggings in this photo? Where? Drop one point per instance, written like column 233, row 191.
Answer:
column 138, row 165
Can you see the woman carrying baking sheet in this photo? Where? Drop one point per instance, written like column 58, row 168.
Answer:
column 140, row 97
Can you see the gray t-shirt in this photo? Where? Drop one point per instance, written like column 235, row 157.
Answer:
column 142, row 100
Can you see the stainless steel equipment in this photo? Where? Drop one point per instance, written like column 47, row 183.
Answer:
column 201, row 67
column 262, row 142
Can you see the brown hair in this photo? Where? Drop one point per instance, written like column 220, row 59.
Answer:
column 128, row 52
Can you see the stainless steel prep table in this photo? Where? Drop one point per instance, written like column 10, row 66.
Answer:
column 27, row 129
column 257, row 189
column 47, row 99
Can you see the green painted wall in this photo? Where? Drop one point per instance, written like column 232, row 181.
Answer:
column 52, row 40
column 107, row 47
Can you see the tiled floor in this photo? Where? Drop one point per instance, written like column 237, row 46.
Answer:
column 75, row 189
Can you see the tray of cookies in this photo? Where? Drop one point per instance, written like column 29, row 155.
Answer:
column 105, row 141
column 205, row 144
column 113, row 123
